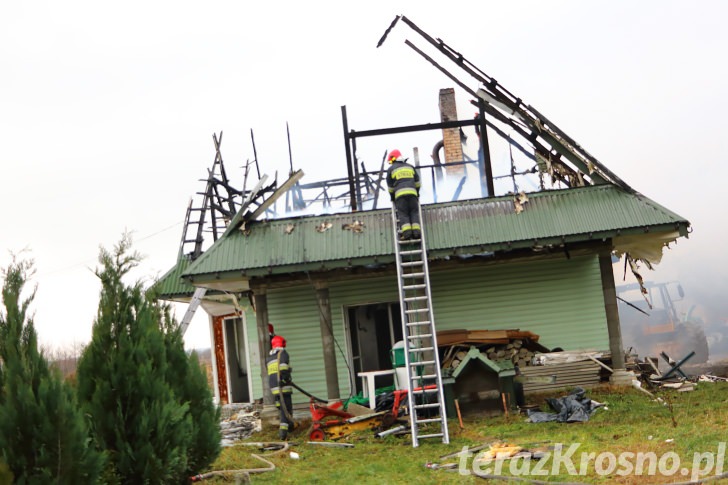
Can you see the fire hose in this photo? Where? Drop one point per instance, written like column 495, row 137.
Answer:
column 308, row 394
column 282, row 447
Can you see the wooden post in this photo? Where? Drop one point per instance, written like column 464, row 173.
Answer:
column 328, row 342
column 612, row 312
column 261, row 319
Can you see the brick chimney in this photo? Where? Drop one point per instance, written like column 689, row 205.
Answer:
column 451, row 136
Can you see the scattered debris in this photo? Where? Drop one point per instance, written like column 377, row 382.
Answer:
column 356, row 226
column 289, row 228
column 387, row 432
column 575, row 407
column 709, row 378
column 330, row 444
column 240, row 426
column 518, row 202
column 324, row 226
column 681, row 386
column 498, row 451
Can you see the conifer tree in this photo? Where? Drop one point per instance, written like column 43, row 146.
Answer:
column 189, row 380
column 44, row 438
column 136, row 382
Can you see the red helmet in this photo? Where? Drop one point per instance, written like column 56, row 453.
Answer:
column 278, row 342
column 394, row 155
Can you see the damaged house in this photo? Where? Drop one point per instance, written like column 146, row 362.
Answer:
column 537, row 260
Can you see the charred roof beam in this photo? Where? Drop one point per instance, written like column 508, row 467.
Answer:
column 499, row 98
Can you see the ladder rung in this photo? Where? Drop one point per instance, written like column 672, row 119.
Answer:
column 423, row 391
column 424, row 335
column 434, row 435
column 428, row 420
column 424, row 362
column 413, row 275
column 426, row 406
column 416, row 298
column 411, row 263
column 414, row 287
column 423, row 349
column 410, row 251
column 416, row 324
column 417, row 310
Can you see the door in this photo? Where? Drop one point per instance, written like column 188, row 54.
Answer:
column 236, row 358
column 373, row 330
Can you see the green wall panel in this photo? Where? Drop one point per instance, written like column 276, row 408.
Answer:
column 559, row 299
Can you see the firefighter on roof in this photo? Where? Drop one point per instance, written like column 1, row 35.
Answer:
column 404, row 190
column 279, row 378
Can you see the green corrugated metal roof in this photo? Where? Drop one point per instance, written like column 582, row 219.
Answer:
column 479, row 225
column 171, row 285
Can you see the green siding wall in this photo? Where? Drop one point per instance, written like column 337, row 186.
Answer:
column 559, row 299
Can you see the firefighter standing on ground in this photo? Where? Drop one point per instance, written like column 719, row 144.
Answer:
column 279, row 378
column 404, row 190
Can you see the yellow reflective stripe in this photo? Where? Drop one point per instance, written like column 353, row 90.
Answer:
column 406, row 227
column 403, row 173
column 416, row 227
column 405, row 191
column 284, row 367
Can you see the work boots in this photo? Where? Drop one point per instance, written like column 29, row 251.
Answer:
column 282, row 434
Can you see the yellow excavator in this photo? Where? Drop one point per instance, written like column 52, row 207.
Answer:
column 651, row 323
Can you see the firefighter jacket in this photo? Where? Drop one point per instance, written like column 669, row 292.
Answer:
column 402, row 179
column 279, row 372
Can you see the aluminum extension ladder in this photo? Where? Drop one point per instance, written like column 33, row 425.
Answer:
column 197, row 297
column 424, row 377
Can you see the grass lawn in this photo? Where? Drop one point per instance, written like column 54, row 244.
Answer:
column 689, row 428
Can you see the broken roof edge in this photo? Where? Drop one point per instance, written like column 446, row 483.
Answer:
column 236, row 222
column 476, row 252
column 667, row 222
column 170, row 286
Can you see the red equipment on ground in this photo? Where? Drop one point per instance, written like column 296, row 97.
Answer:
column 333, row 422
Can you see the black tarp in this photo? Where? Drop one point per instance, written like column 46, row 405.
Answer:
column 573, row 408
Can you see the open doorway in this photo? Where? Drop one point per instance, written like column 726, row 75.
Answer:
column 373, row 330
column 236, row 360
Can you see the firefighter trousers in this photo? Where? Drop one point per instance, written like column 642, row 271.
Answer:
column 285, row 407
column 408, row 213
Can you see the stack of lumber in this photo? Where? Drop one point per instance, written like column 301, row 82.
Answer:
column 540, row 378
column 482, row 337
column 516, row 346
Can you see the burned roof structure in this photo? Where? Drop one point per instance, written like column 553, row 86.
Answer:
column 579, row 200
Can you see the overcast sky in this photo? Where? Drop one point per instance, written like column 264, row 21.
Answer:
column 107, row 113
